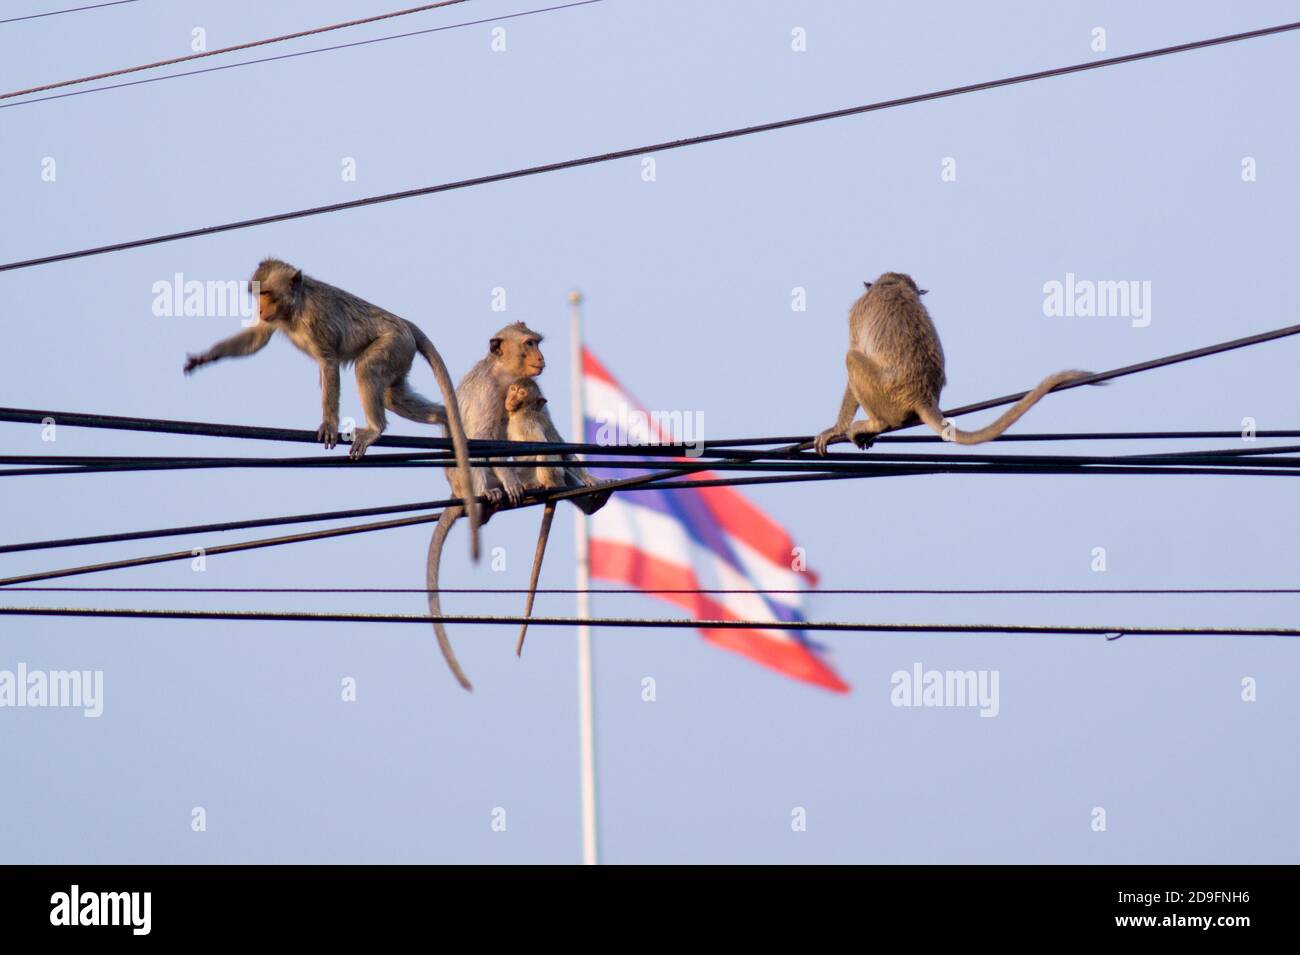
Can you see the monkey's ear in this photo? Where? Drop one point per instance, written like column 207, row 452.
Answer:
column 541, row 401
column 494, row 346
column 866, row 285
column 295, row 283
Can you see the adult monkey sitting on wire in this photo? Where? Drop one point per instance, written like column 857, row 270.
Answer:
column 896, row 372
column 336, row 328
column 514, row 352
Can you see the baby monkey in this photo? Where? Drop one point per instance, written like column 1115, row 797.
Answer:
column 895, row 365
column 528, row 420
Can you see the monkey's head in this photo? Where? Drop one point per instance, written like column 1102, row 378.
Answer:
column 279, row 290
column 896, row 281
column 518, row 349
column 524, row 395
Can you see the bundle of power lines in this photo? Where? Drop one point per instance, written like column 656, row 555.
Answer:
column 754, row 460
column 661, row 467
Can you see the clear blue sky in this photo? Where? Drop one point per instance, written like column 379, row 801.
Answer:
column 1127, row 173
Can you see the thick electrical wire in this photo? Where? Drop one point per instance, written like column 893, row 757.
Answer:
column 1234, row 458
column 655, row 622
column 193, row 530
column 218, row 549
column 647, row 482
column 257, row 544
column 651, row 148
column 231, row 49
column 197, row 529
column 659, row 478
column 298, row 53
column 481, row 448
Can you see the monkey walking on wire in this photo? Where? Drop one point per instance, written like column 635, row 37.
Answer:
column 513, row 353
column 336, row 328
column 896, row 371
column 528, row 420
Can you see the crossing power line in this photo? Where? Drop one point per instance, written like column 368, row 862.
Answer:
column 669, row 474
column 55, row 13
column 230, row 49
column 650, row 148
column 300, row 53
column 632, row 591
column 657, row 622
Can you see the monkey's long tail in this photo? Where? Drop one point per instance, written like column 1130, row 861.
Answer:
column 548, row 514
column 457, row 431
column 440, row 531
column 933, row 417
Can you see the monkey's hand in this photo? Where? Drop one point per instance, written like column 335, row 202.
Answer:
column 328, row 434
column 826, row 437
column 194, row 361
column 514, row 488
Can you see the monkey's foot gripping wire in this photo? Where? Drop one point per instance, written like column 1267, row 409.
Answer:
column 655, row 622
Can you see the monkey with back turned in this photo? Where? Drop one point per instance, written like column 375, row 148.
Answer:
column 896, row 371
column 337, row 328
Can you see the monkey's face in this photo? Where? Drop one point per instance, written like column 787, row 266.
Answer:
column 515, row 398
column 278, row 287
column 523, row 395
column 520, row 354
column 531, row 360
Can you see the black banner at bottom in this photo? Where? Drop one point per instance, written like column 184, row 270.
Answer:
column 189, row 903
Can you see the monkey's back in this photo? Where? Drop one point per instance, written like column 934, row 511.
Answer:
column 894, row 329
column 348, row 324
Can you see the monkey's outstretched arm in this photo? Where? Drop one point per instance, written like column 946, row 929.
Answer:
column 328, row 432
column 247, row 342
column 848, row 408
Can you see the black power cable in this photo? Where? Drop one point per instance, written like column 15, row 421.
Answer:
column 650, row 148
column 656, row 622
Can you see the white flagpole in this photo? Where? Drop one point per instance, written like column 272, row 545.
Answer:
column 586, row 709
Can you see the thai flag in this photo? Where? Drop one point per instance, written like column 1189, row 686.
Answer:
column 697, row 538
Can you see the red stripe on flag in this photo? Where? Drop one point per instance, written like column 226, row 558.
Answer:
column 592, row 368
column 788, row 659
column 734, row 513
column 742, row 520
column 771, row 648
